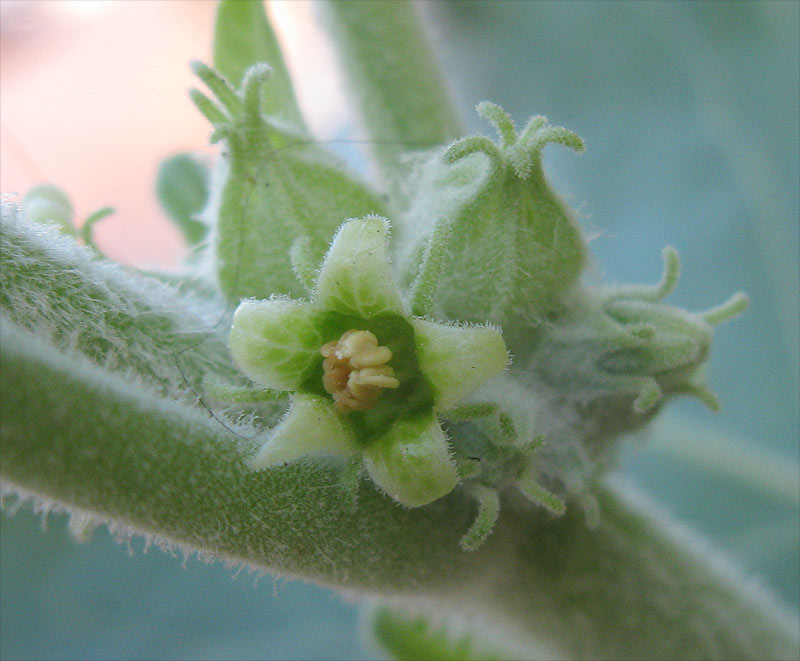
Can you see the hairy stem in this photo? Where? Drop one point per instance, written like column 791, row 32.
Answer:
column 79, row 435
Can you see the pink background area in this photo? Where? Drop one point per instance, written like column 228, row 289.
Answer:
column 93, row 96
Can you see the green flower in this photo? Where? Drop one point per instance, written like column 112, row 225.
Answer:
column 367, row 378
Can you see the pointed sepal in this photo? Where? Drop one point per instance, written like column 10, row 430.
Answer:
column 412, row 462
column 310, row 427
column 488, row 502
column 458, row 359
column 275, row 342
column 243, row 37
column 356, row 277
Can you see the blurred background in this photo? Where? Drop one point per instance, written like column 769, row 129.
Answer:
column 690, row 115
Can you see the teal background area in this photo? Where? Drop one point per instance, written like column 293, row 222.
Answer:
column 690, row 116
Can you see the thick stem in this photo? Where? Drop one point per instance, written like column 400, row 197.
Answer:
column 635, row 586
column 630, row 588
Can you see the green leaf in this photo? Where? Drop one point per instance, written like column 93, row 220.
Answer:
column 182, row 186
column 243, row 37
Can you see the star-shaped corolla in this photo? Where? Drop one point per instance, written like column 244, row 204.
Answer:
column 367, row 378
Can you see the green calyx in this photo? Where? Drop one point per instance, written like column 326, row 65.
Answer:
column 623, row 352
column 283, row 196
column 281, row 344
column 503, row 219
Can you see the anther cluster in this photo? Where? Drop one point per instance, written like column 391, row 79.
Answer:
column 356, row 369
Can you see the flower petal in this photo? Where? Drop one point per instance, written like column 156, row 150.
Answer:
column 355, row 277
column 411, row 462
column 275, row 342
column 457, row 359
column 311, row 426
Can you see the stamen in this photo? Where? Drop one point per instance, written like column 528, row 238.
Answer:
column 355, row 370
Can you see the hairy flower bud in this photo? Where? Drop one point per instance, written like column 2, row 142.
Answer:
column 513, row 247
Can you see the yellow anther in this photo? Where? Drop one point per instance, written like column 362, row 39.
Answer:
column 372, row 358
column 355, row 369
column 354, row 343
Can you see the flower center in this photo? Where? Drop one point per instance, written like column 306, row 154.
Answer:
column 355, row 370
